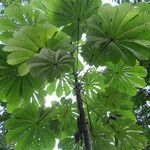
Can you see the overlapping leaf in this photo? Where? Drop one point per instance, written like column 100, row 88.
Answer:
column 128, row 135
column 28, row 131
column 93, row 82
column 120, row 32
column 120, row 134
column 37, row 129
column 16, row 17
column 50, row 64
column 125, row 78
column 71, row 14
column 17, row 90
column 111, row 101
column 102, row 136
column 65, row 113
column 30, row 40
column 61, row 86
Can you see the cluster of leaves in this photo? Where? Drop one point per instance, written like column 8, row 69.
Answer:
column 38, row 128
column 36, row 55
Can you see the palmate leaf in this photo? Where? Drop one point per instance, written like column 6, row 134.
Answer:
column 37, row 129
column 65, row 113
column 17, row 16
column 120, row 32
column 16, row 90
column 27, row 131
column 71, row 14
column 30, row 40
column 111, row 101
column 128, row 135
column 50, row 64
column 60, row 86
column 121, row 134
column 93, row 82
column 102, row 136
column 125, row 78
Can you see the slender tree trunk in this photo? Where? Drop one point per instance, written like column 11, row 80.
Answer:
column 77, row 84
column 84, row 123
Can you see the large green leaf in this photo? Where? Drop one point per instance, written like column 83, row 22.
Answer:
column 125, row 78
column 17, row 90
column 37, row 129
column 65, row 113
column 102, row 136
column 111, row 101
column 120, row 32
column 71, row 14
column 128, row 135
column 28, row 131
column 50, row 64
column 30, row 40
column 16, row 17
column 121, row 134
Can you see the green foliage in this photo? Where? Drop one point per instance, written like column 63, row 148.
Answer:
column 9, row 2
column 111, row 101
column 36, row 38
column 17, row 90
column 125, row 78
column 68, row 143
column 50, row 64
column 4, row 115
column 61, row 86
column 30, row 132
column 93, row 82
column 120, row 134
column 127, row 134
column 69, row 14
column 38, row 128
column 65, row 112
column 16, row 17
column 42, row 54
column 120, row 32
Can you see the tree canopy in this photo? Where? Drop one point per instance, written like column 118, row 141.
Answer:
column 96, row 59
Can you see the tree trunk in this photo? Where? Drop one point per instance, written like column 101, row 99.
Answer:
column 82, row 116
column 84, row 123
